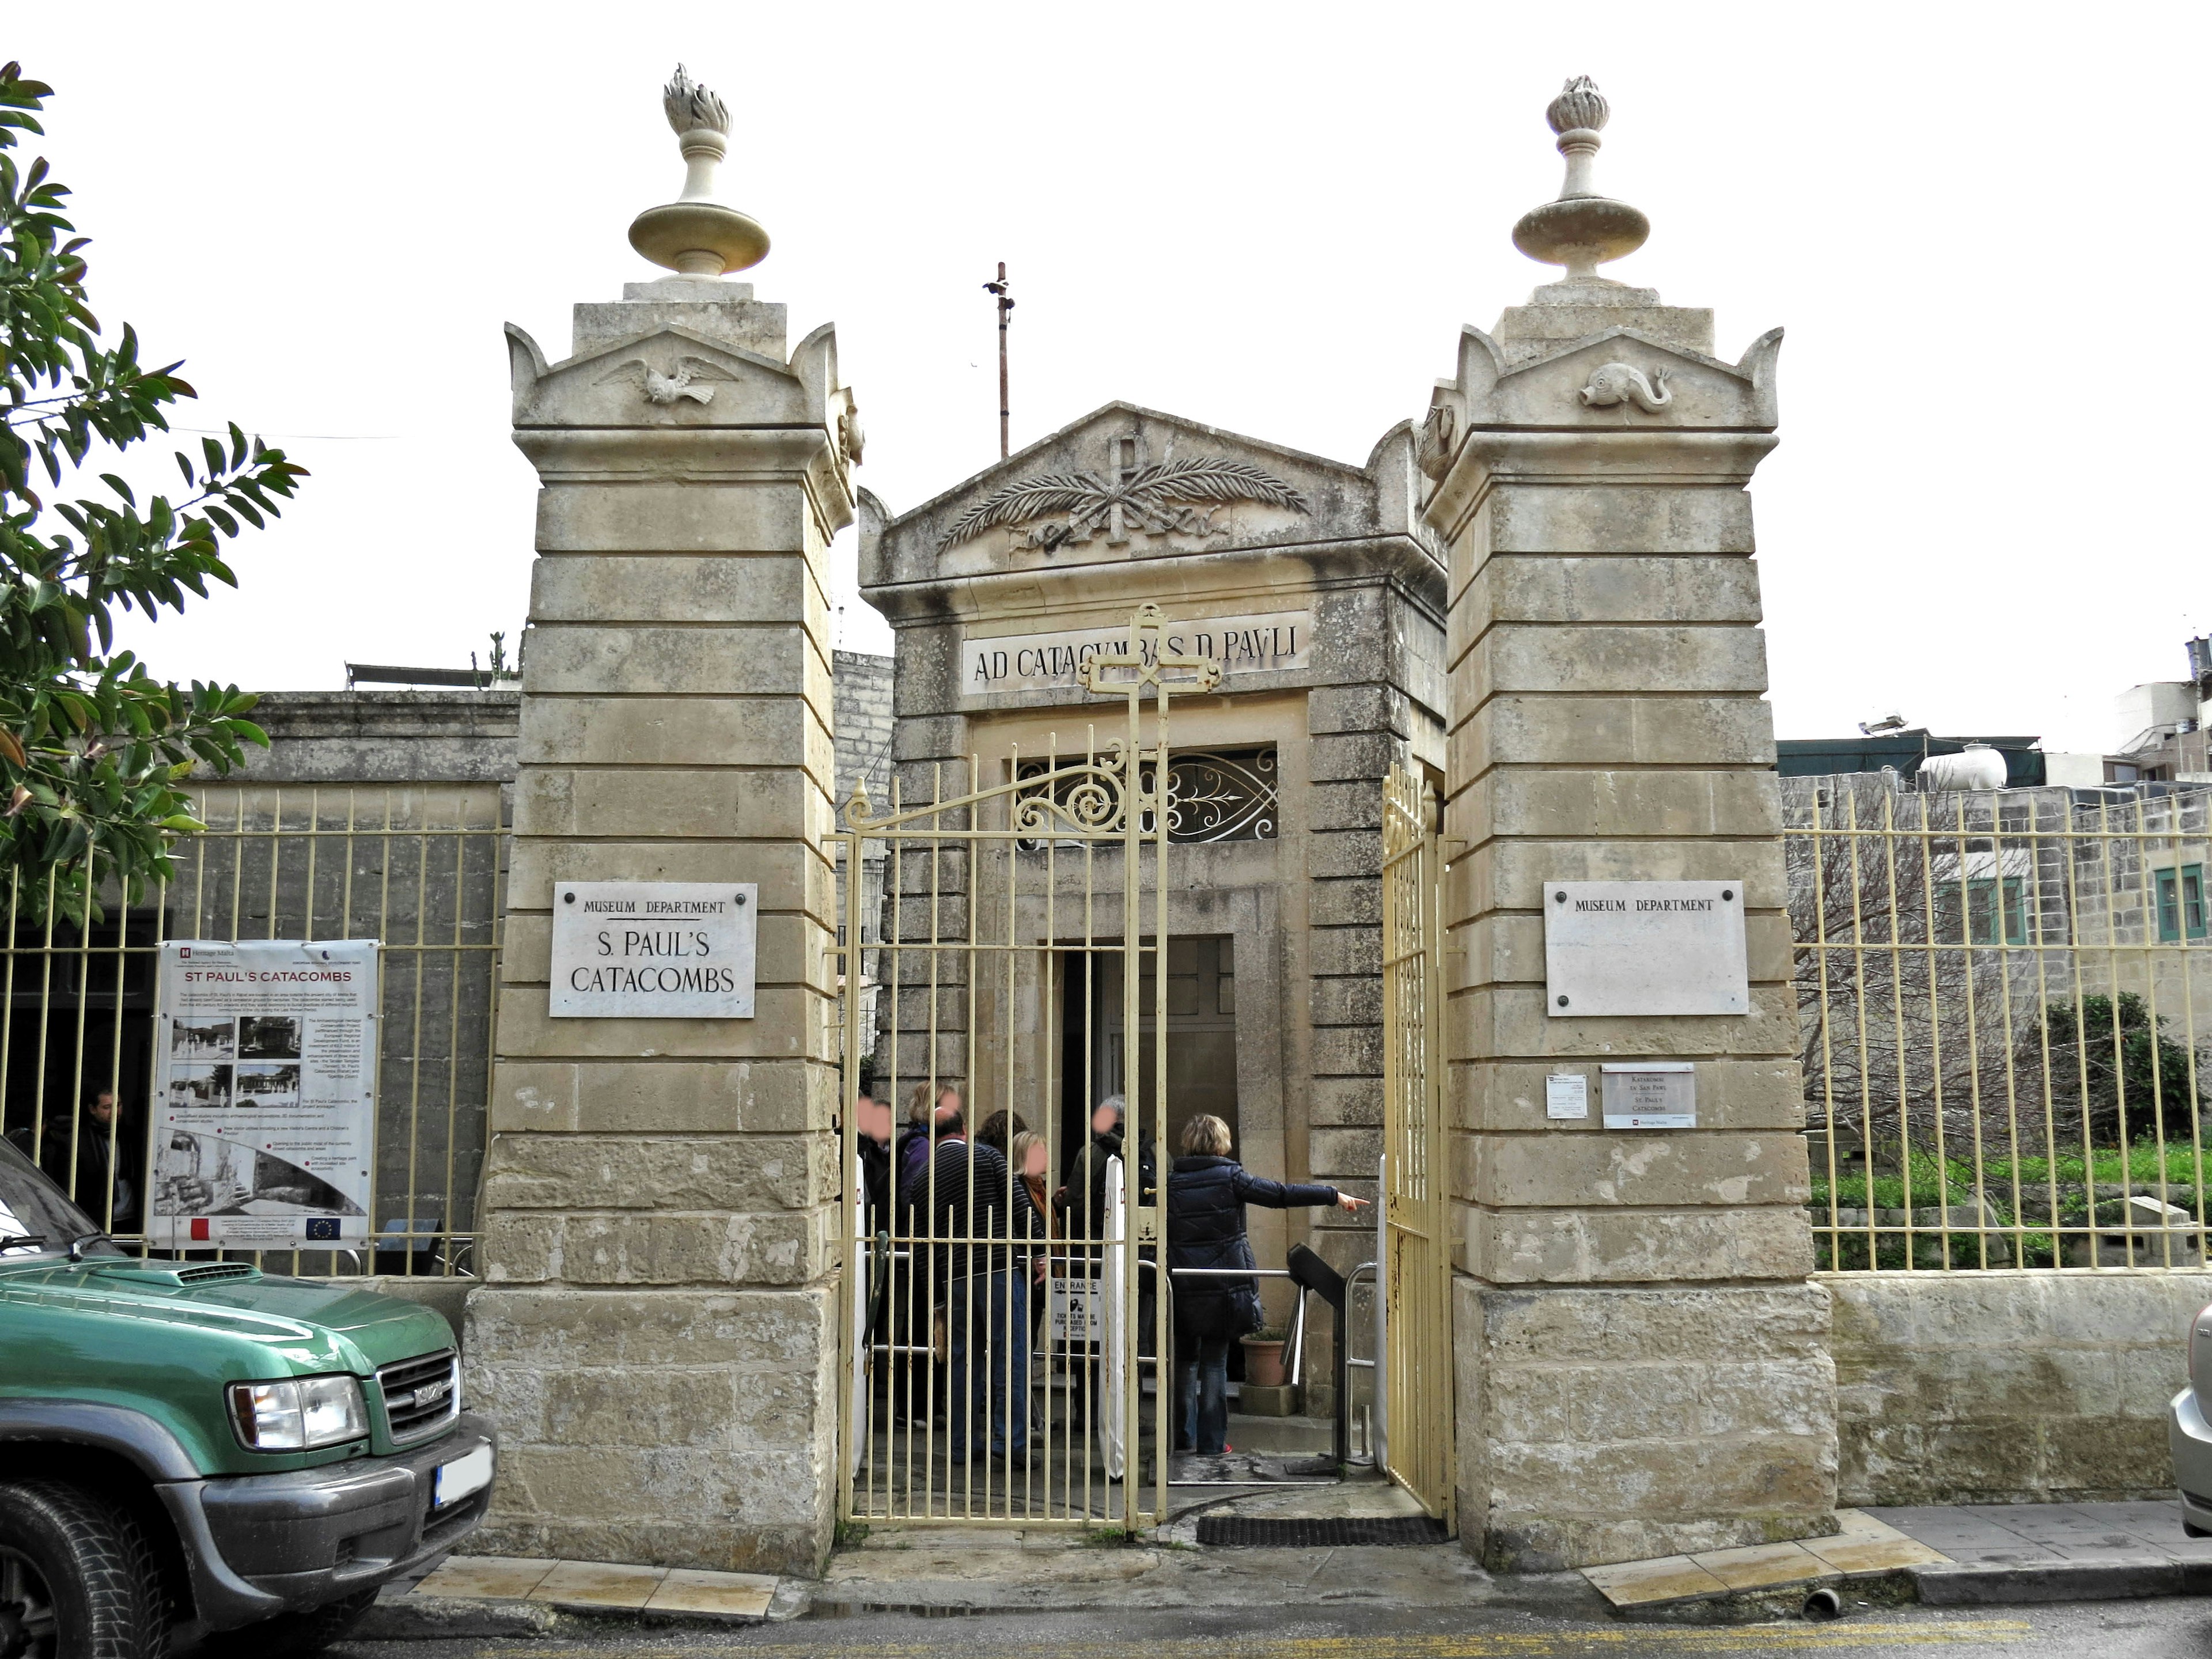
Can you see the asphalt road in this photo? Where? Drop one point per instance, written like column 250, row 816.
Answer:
column 2171, row 1628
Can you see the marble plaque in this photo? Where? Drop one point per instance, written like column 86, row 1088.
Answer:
column 1615, row 948
column 1045, row 662
column 654, row 950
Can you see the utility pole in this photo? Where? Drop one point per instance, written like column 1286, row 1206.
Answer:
column 1005, row 309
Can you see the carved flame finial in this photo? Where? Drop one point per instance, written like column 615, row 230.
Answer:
column 697, row 234
column 1580, row 104
column 1582, row 229
column 690, row 104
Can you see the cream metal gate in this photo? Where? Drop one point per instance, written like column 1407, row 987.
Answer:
column 1416, row 1269
column 1008, row 906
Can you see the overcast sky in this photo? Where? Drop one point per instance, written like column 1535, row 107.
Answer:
column 1985, row 513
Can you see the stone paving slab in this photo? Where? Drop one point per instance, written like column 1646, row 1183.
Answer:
column 598, row 1587
column 1956, row 1554
column 1865, row 1546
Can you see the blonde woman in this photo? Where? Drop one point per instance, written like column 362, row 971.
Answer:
column 1207, row 1191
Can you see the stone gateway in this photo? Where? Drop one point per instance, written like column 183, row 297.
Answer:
column 1535, row 604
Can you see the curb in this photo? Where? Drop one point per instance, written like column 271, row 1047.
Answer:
column 409, row 1617
column 1966, row 1585
column 434, row 1618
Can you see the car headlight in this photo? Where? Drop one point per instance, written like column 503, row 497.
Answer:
column 300, row 1415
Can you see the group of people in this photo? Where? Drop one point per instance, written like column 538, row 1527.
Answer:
column 986, row 1228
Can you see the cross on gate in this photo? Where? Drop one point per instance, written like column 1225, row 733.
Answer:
column 1145, row 631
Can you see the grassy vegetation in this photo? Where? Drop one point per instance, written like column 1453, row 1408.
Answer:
column 1927, row 1180
column 1926, row 1183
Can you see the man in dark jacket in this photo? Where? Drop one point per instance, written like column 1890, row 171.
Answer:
column 1083, row 1196
column 1207, row 1191
column 95, row 1172
column 986, row 1292
column 871, row 1124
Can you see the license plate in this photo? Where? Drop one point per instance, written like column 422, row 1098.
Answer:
column 457, row 1479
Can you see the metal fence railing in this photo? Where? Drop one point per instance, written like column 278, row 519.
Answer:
column 420, row 869
column 2003, row 999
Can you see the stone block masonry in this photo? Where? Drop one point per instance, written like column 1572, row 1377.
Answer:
column 2009, row 1387
column 656, row 1333
column 1642, row 1366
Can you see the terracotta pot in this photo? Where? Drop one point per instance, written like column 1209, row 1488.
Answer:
column 1263, row 1362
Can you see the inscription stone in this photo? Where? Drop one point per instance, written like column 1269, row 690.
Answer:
column 1644, row 948
column 1039, row 662
column 654, row 950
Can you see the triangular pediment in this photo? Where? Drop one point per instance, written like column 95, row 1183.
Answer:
column 668, row 376
column 1127, row 481
column 1620, row 377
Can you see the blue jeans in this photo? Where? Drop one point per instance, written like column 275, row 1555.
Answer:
column 1202, row 1390
column 989, row 1368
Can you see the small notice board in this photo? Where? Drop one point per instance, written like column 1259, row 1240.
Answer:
column 1651, row 1094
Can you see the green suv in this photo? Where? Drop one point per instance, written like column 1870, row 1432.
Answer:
column 195, row 1453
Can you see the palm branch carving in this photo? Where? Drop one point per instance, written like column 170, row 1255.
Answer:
column 1168, row 495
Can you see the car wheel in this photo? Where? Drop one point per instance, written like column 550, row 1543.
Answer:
column 74, row 1579
column 294, row 1635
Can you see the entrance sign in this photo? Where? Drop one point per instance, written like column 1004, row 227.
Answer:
column 654, row 950
column 1072, row 1311
column 1643, row 948
column 1042, row 662
column 264, row 1126
column 1651, row 1094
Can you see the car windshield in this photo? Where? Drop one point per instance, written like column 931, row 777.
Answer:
column 35, row 1215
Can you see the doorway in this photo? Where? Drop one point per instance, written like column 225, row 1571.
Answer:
column 1201, row 1024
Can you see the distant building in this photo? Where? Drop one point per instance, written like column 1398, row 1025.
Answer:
column 2159, row 729
column 2161, row 726
column 1903, row 751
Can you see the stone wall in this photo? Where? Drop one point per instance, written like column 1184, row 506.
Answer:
column 384, row 736
column 2005, row 1387
column 861, row 695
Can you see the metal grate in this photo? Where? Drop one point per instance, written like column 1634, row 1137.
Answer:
column 1016, row 917
column 421, row 1396
column 2004, row 1000
column 1413, row 1410
column 1220, row 794
column 1270, row 1531
column 420, row 868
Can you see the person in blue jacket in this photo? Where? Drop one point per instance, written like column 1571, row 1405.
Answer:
column 1207, row 1191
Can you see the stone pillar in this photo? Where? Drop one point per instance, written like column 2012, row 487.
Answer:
column 1643, row 1362
column 655, row 1334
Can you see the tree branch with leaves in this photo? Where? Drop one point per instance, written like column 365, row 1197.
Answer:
column 93, row 747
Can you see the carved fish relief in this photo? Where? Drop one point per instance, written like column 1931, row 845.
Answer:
column 1624, row 384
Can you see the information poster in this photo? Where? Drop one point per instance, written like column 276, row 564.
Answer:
column 264, row 1102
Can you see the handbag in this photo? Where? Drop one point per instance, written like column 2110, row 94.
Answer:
column 1245, row 1314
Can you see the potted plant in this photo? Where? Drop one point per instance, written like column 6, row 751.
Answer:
column 1263, row 1357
